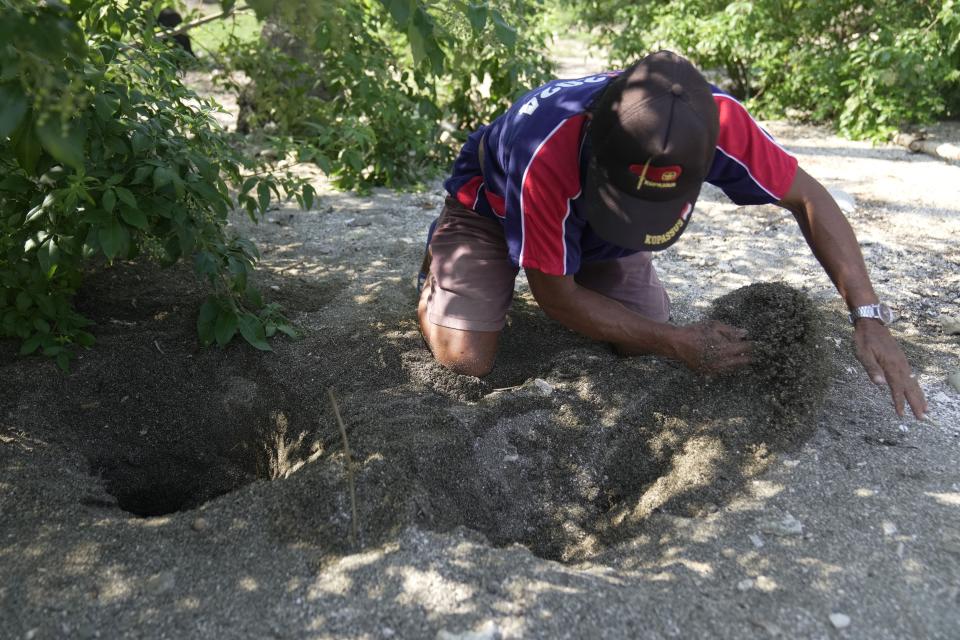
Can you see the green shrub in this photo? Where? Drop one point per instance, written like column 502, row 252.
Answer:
column 103, row 152
column 868, row 68
column 367, row 89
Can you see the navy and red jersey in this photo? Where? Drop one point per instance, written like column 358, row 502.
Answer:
column 535, row 157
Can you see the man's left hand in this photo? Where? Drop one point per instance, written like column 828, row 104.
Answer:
column 885, row 363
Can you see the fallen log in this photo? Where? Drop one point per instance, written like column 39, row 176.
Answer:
column 937, row 149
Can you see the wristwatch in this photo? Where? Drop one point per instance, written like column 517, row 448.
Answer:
column 878, row 311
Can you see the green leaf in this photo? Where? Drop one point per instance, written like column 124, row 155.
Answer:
column 206, row 321
column 16, row 184
column 308, row 196
column 109, row 200
column 400, row 10
column 65, row 146
column 477, row 14
column 321, row 37
column 126, row 197
column 84, row 339
column 113, row 239
column 504, row 32
column 162, row 176
column 26, row 147
column 140, row 142
column 23, row 301
column 34, row 213
column 288, row 330
column 41, row 325
column 238, row 271
column 30, row 344
column 251, row 328
column 225, row 326
column 253, row 297
column 262, row 8
column 135, row 218
column 63, row 360
column 178, row 187
column 13, row 107
column 103, row 106
column 263, row 196
column 418, row 46
column 249, row 184
column 210, row 195
column 141, row 174
column 204, row 263
column 423, row 41
column 49, row 257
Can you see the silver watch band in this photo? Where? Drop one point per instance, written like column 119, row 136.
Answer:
column 878, row 311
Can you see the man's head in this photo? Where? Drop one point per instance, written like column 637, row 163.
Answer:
column 653, row 134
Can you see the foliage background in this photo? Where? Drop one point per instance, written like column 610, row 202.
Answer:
column 868, row 68
column 105, row 155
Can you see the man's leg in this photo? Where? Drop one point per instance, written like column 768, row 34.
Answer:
column 633, row 282
column 470, row 353
column 463, row 304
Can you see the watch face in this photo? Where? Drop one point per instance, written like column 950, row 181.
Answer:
column 885, row 313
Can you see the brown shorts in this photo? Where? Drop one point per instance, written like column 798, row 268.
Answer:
column 470, row 285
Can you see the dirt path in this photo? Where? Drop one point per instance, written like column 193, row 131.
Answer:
column 574, row 494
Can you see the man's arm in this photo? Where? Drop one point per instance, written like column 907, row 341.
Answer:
column 707, row 347
column 834, row 244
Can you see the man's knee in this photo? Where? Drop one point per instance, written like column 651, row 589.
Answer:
column 469, row 353
column 466, row 362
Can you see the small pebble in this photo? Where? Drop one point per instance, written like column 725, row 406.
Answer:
column 951, row 326
column 840, row 620
column 785, row 526
column 745, row 585
column 489, row 631
column 200, row 524
column 846, row 202
column 765, row 583
column 756, row 540
column 544, row 387
column 954, row 380
column 889, row 528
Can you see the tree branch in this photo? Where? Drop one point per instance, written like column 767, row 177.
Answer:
column 169, row 33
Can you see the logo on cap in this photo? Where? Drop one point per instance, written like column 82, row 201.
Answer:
column 678, row 226
column 659, row 177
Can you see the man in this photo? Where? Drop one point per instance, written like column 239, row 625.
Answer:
column 580, row 180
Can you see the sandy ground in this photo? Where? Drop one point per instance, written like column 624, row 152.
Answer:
column 574, row 494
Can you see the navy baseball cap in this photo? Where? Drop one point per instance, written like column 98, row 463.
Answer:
column 653, row 134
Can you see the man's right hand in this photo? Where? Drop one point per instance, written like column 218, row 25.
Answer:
column 711, row 347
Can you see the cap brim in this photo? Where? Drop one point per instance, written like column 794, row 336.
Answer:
column 630, row 222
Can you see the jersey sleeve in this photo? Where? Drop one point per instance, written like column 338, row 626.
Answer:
column 550, row 181
column 749, row 166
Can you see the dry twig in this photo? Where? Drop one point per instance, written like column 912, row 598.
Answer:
column 354, row 519
column 181, row 29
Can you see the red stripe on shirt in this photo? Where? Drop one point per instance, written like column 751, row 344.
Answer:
column 497, row 203
column 769, row 166
column 550, row 181
column 467, row 195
